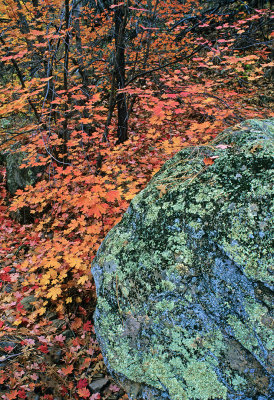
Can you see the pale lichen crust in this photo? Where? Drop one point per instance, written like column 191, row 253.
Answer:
column 185, row 280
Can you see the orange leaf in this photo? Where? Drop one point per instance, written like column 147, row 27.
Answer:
column 85, row 393
column 68, row 370
column 85, row 363
column 76, row 323
column 208, row 161
column 12, row 395
column 112, row 195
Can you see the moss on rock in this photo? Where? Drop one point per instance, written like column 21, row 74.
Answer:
column 184, row 281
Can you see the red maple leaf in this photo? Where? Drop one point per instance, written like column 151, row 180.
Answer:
column 82, row 383
column 44, row 348
column 8, row 349
column 21, row 394
column 87, row 326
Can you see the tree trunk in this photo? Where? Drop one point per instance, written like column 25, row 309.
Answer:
column 64, row 134
column 120, row 21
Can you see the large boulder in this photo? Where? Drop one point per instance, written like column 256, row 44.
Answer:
column 185, row 280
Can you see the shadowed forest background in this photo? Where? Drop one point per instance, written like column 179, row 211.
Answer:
column 94, row 97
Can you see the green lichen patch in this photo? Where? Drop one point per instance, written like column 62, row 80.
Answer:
column 202, row 383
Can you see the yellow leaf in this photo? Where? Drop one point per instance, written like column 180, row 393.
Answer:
column 53, row 273
column 53, row 263
column 176, row 141
column 62, row 275
column 54, row 292
column 82, row 280
column 73, row 262
column 45, row 280
column 42, row 310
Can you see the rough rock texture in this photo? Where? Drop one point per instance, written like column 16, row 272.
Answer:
column 19, row 178
column 2, row 158
column 185, row 280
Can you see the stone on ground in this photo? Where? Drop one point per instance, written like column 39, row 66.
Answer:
column 18, row 177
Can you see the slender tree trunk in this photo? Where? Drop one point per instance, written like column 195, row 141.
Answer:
column 120, row 21
column 76, row 11
column 65, row 133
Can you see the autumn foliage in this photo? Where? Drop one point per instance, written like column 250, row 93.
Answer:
column 185, row 72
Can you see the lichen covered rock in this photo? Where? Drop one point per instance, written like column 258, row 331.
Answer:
column 185, row 280
column 18, row 177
